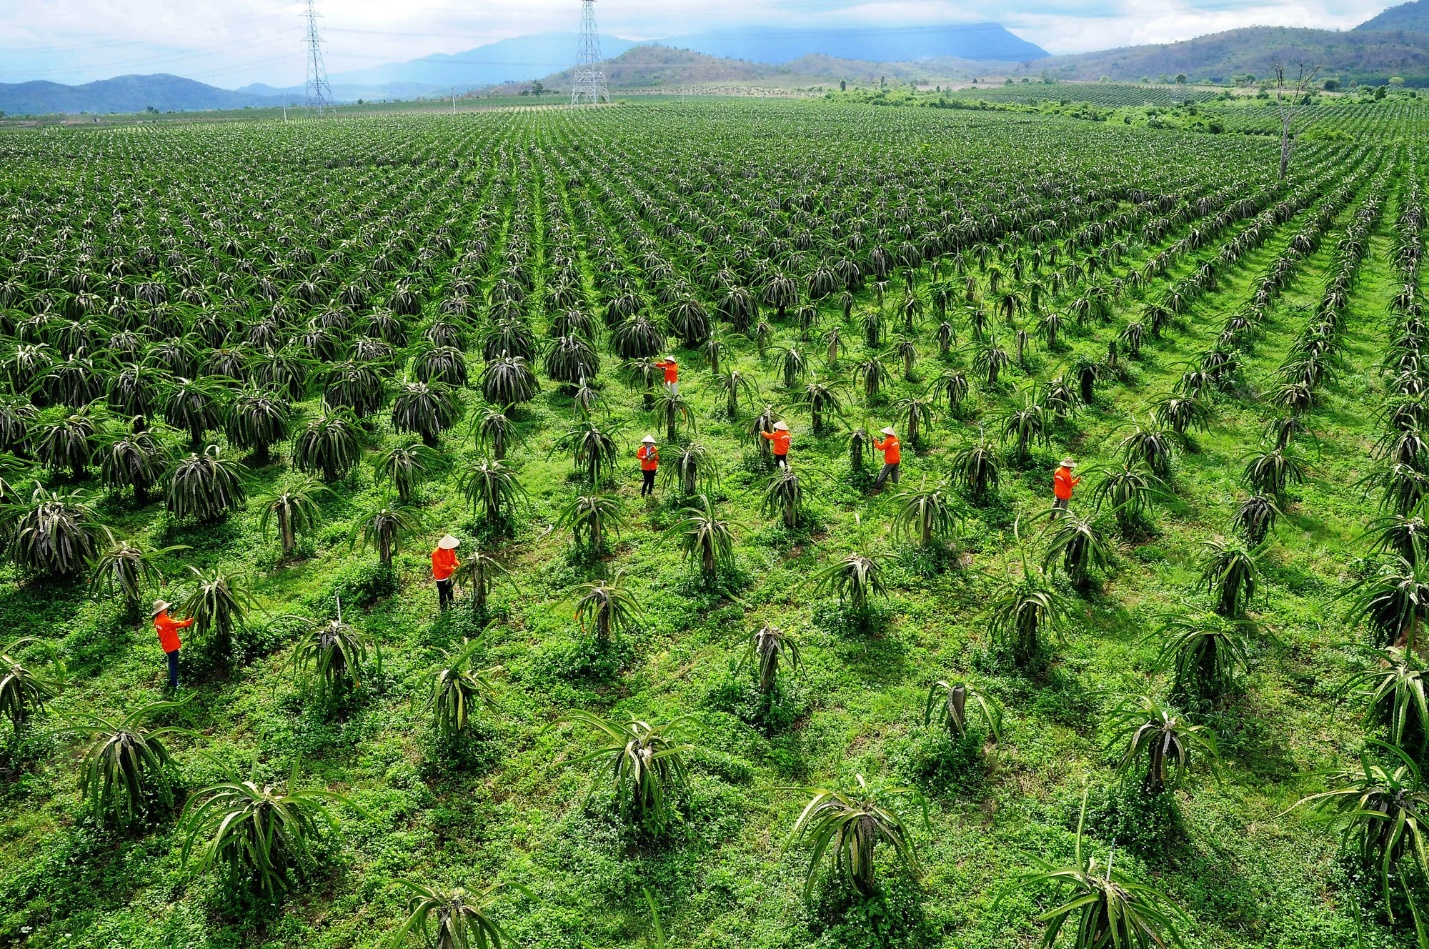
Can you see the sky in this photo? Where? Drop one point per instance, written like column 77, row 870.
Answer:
column 231, row 43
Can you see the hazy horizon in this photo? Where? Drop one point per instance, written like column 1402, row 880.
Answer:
column 231, row 43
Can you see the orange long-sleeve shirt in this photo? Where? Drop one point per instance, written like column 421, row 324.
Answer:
column 780, row 440
column 649, row 457
column 444, row 563
column 168, row 629
column 1063, row 483
column 672, row 371
column 892, row 452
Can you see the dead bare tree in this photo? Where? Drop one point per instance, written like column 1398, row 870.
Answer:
column 1292, row 106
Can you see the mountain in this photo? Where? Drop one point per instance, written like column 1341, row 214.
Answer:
column 1410, row 17
column 522, row 58
column 981, row 41
column 1368, row 55
column 653, row 66
column 527, row 57
column 124, row 94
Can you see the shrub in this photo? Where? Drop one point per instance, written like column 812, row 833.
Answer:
column 1076, row 546
column 66, row 444
column 457, row 690
column 647, row 763
column 330, row 444
column 856, row 579
column 125, row 767
column 1231, row 574
column 948, row 704
column 493, row 492
column 451, row 919
column 768, row 647
column 707, row 540
column 261, row 835
column 784, row 497
column 1103, row 906
column 219, row 607
column 1379, row 806
column 975, row 467
column 425, row 409
column 1205, row 655
column 124, row 569
column 134, row 461
column 295, row 510
column 53, row 535
column 382, row 529
column 508, row 380
column 205, row 488
column 257, row 420
column 606, row 607
column 1159, row 742
column 338, row 655
column 1395, row 601
column 23, row 691
column 847, row 826
column 1127, row 491
column 594, row 452
column 590, row 517
column 1393, row 692
column 406, row 466
column 1021, row 612
column 356, row 387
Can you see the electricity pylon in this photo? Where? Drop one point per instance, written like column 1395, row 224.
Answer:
column 319, row 92
column 589, row 85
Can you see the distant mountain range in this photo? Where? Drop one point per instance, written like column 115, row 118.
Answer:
column 1364, row 55
column 656, row 67
column 975, row 41
column 124, row 94
column 1394, row 43
column 525, row 57
column 529, row 57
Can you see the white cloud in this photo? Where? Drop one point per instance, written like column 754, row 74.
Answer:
column 232, row 42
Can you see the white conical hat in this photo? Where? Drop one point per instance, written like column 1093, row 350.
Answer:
column 448, row 543
column 780, row 427
column 648, row 440
column 887, row 430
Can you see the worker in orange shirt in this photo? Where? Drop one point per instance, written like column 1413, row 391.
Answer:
column 168, row 629
column 649, row 455
column 1062, row 484
column 780, row 439
column 892, row 456
column 672, row 374
column 444, row 564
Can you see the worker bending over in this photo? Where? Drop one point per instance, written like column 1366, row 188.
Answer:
column 444, row 564
column 892, row 456
column 779, row 439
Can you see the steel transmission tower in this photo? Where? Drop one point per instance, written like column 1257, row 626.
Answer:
column 319, row 92
column 589, row 85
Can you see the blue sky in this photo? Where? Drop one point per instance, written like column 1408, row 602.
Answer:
column 234, row 42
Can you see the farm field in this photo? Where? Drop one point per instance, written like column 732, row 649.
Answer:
column 259, row 369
